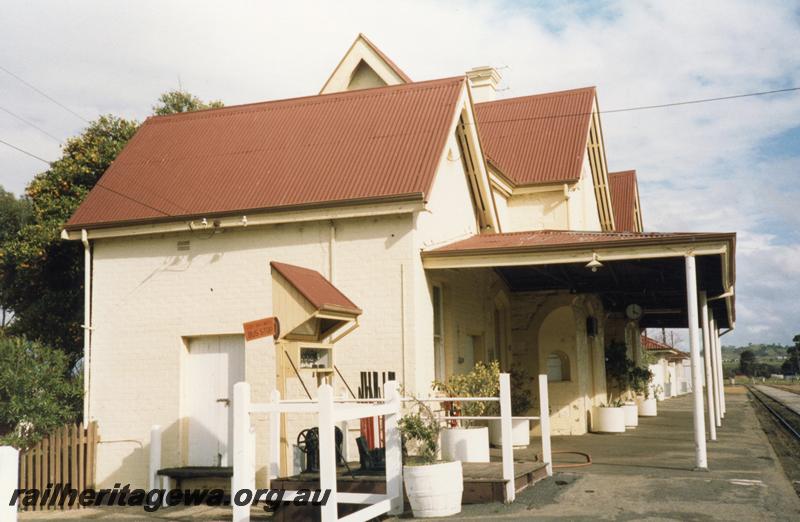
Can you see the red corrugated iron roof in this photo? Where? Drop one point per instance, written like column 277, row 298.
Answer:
column 315, row 288
column 350, row 146
column 559, row 238
column 623, row 199
column 537, row 139
column 651, row 345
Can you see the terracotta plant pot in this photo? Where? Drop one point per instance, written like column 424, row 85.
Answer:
column 647, row 407
column 434, row 490
column 520, row 433
column 608, row 420
column 466, row 444
column 631, row 414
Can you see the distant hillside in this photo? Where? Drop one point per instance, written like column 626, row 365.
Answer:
column 765, row 353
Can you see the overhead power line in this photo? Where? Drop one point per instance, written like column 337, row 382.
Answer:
column 42, row 93
column 27, row 122
column 32, row 155
column 645, row 107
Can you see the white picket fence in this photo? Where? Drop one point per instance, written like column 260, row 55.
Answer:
column 332, row 411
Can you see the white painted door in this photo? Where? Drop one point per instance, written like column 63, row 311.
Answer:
column 214, row 365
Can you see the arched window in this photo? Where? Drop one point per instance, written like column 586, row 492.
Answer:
column 557, row 367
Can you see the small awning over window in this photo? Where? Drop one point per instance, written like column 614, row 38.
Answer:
column 308, row 306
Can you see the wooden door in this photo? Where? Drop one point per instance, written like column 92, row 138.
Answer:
column 214, row 365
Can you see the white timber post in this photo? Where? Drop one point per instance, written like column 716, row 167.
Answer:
column 9, row 482
column 715, row 333
column 394, row 449
column 274, row 458
column 544, row 424
column 327, row 453
column 708, row 363
column 243, row 460
column 701, row 458
column 505, row 427
column 155, row 457
column 715, row 373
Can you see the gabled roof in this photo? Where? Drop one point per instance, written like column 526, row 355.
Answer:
column 316, row 289
column 347, row 147
column 363, row 52
column 651, row 345
column 393, row 66
column 537, row 139
column 624, row 199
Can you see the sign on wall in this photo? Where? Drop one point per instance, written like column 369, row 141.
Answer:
column 261, row 328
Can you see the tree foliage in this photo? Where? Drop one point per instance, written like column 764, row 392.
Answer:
column 37, row 391
column 791, row 366
column 173, row 102
column 41, row 275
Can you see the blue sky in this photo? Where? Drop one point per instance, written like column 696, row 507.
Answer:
column 730, row 165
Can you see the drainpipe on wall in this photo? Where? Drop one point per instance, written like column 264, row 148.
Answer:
column 87, row 320
column 331, row 245
column 566, row 200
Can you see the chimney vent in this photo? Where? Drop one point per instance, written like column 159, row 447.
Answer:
column 483, row 82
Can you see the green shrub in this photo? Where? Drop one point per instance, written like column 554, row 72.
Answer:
column 481, row 381
column 37, row 392
column 421, row 428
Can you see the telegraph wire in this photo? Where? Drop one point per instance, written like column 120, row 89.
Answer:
column 32, row 155
column 644, row 107
column 42, row 93
column 23, row 120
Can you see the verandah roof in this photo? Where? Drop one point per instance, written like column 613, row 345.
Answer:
column 642, row 268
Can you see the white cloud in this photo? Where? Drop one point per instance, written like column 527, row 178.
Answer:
column 700, row 166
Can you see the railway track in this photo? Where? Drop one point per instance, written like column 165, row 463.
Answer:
column 782, row 427
column 785, row 417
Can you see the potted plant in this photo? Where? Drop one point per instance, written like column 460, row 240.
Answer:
column 609, row 418
column 641, row 379
column 520, row 404
column 434, row 488
column 466, row 440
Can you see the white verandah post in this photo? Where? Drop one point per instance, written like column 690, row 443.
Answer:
column 544, row 424
column 701, row 459
column 274, row 458
column 155, row 457
column 327, row 453
column 718, row 347
column 505, row 427
column 243, row 449
column 9, row 482
column 708, row 359
column 394, row 450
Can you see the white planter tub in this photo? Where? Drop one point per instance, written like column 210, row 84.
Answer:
column 434, row 490
column 631, row 414
column 648, row 407
column 520, row 433
column 466, row 444
column 608, row 420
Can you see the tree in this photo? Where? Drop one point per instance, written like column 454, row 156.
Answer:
column 37, row 391
column 791, row 366
column 747, row 362
column 14, row 213
column 173, row 102
column 41, row 275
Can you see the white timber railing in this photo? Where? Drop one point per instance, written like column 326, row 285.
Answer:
column 332, row 411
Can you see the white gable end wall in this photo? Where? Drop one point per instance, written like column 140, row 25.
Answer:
column 149, row 298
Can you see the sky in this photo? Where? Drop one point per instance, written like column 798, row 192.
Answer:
column 730, row 166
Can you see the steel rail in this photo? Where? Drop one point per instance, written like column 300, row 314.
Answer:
column 774, row 413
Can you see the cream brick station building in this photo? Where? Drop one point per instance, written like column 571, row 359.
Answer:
column 391, row 226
